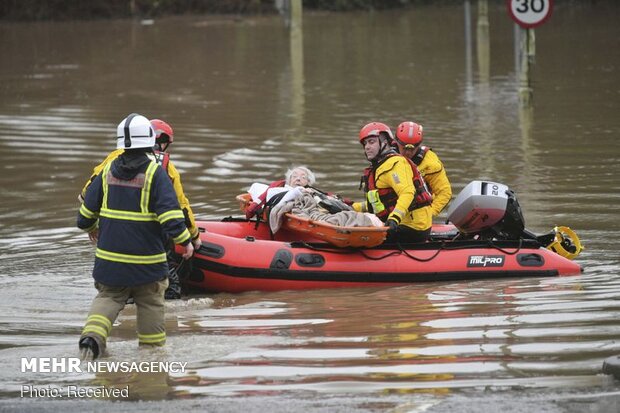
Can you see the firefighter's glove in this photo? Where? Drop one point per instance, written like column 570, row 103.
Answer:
column 392, row 227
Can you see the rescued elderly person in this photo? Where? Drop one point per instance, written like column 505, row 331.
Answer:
column 297, row 176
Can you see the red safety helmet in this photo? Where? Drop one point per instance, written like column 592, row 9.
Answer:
column 409, row 133
column 163, row 132
column 375, row 129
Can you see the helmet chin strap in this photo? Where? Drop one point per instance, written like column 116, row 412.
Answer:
column 162, row 147
column 126, row 132
column 382, row 146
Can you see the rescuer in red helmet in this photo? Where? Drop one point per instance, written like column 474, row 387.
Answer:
column 409, row 136
column 395, row 191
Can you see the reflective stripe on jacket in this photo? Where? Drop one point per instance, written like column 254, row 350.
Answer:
column 162, row 158
column 135, row 218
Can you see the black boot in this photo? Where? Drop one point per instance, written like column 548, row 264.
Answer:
column 89, row 348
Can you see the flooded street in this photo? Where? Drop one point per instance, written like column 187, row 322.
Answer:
column 247, row 100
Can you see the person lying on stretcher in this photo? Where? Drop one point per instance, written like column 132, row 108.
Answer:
column 300, row 178
column 297, row 195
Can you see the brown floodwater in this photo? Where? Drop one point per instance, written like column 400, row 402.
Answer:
column 247, row 99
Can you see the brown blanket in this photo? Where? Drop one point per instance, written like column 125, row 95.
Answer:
column 306, row 206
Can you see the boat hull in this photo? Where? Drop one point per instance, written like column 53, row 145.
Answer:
column 239, row 256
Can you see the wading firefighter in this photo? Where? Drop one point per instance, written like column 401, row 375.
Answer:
column 131, row 210
column 164, row 136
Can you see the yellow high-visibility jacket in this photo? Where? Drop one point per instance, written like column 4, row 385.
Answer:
column 435, row 176
column 396, row 173
column 175, row 177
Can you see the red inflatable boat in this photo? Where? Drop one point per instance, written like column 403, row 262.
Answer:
column 487, row 240
column 239, row 256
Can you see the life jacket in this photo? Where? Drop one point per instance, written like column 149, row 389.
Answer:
column 253, row 208
column 420, row 154
column 388, row 197
column 162, row 158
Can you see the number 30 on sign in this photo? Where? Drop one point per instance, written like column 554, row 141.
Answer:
column 529, row 13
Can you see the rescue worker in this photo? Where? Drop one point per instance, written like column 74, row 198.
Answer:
column 395, row 190
column 164, row 136
column 409, row 136
column 131, row 208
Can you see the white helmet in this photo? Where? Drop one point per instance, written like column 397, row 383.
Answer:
column 135, row 131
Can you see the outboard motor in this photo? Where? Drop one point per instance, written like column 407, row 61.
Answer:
column 487, row 210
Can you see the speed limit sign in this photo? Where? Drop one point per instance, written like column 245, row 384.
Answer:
column 529, row 13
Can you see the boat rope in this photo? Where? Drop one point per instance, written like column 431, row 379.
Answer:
column 402, row 250
column 177, row 268
column 490, row 243
column 389, row 254
column 335, row 250
column 432, row 257
column 443, row 246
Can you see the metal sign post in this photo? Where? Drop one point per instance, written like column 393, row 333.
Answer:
column 527, row 14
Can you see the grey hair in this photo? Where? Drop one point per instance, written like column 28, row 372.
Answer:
column 308, row 172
